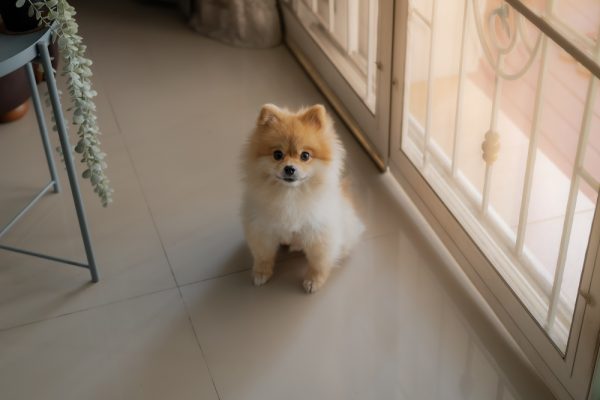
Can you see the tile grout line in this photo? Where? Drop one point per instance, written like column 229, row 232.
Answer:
column 210, row 374
column 211, row 278
column 137, row 177
column 164, row 250
column 110, row 303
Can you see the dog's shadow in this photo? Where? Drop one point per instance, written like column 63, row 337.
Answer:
column 284, row 260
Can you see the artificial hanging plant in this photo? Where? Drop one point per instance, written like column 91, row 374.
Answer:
column 59, row 16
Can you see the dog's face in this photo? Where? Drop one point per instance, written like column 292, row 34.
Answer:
column 291, row 149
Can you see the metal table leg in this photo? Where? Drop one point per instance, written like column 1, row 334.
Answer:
column 39, row 113
column 66, row 149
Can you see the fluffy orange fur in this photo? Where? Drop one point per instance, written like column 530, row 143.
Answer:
column 310, row 209
column 291, row 133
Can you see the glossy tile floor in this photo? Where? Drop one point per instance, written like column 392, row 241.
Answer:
column 175, row 315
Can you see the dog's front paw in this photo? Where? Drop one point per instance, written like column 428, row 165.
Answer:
column 315, row 279
column 311, row 285
column 260, row 278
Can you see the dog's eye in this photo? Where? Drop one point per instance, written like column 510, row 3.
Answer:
column 305, row 156
column 278, row 155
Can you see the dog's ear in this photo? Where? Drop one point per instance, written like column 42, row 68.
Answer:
column 269, row 114
column 314, row 116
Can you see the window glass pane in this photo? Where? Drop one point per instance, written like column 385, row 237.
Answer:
column 348, row 37
column 495, row 115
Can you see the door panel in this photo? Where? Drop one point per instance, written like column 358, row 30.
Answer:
column 341, row 39
column 496, row 126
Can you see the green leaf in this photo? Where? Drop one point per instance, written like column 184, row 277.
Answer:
column 80, row 147
column 62, row 42
column 31, row 11
column 20, row 3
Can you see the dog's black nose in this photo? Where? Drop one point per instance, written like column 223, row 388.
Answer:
column 289, row 170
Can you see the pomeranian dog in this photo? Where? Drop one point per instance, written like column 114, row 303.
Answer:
column 295, row 194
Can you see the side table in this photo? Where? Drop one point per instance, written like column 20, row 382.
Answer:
column 17, row 51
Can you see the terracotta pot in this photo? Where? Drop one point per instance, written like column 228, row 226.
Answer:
column 14, row 87
column 15, row 114
column 14, row 90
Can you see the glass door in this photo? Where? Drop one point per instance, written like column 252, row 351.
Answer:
column 497, row 128
column 337, row 42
